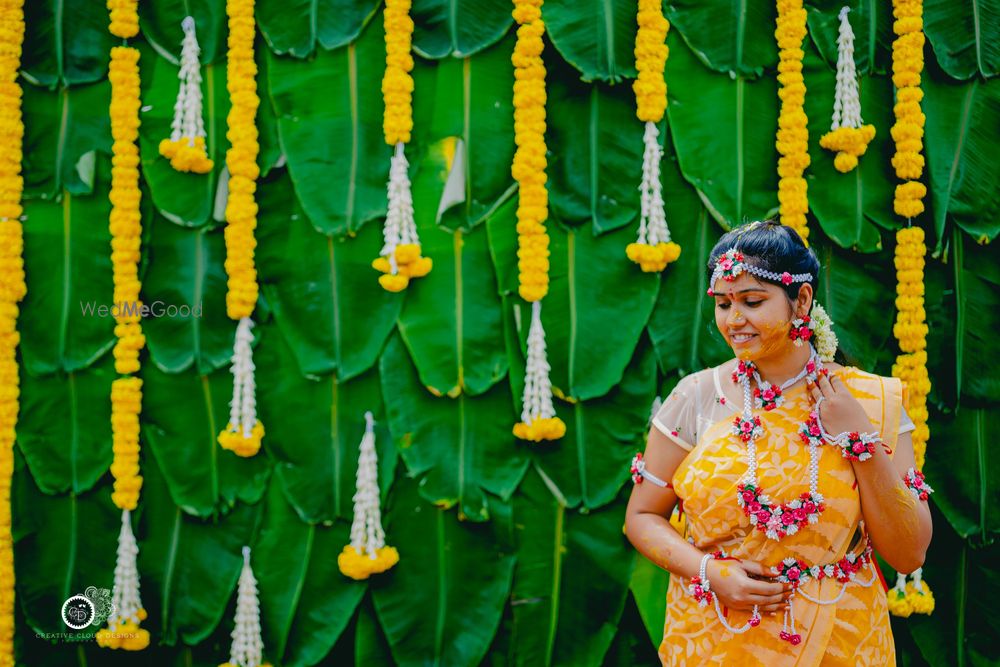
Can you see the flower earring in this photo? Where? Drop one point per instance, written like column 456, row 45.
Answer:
column 801, row 331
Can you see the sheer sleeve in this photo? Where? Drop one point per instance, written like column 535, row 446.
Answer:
column 677, row 418
column 905, row 423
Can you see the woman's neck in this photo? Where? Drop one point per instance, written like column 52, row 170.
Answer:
column 777, row 369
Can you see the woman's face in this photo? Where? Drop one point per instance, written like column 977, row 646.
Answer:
column 755, row 317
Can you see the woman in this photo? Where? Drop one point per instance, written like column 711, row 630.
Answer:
column 789, row 469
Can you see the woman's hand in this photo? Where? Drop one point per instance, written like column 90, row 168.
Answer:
column 839, row 411
column 734, row 583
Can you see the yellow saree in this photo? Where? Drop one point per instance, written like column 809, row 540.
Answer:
column 852, row 631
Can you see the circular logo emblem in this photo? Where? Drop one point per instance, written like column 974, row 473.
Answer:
column 78, row 612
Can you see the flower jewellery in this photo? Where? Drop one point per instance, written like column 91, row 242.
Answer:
column 12, row 291
column 793, row 132
column 125, row 222
column 908, row 130
column 653, row 250
column 399, row 259
column 248, row 647
column 917, row 485
column 538, row 416
column 186, row 146
column 774, row 520
column 848, row 136
column 367, row 554
column 244, row 431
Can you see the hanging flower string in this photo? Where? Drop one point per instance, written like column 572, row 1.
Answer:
column 367, row 554
column 125, row 223
column 653, row 250
column 247, row 648
column 848, row 136
column 186, row 146
column 12, row 291
column 908, row 131
column 538, row 417
column 124, row 16
column 400, row 259
column 793, row 133
column 243, row 433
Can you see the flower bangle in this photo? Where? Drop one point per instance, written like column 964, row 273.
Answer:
column 917, row 485
column 639, row 472
column 857, row 446
column 699, row 588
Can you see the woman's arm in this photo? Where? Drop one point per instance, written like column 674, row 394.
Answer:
column 646, row 523
column 898, row 523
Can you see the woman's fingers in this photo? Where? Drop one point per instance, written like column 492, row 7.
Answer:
column 825, row 386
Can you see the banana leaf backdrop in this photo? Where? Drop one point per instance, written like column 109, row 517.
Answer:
column 511, row 554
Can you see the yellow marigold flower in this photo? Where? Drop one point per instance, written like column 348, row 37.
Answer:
column 361, row 566
column 792, row 140
column 541, row 429
column 124, row 18
column 232, row 439
column 650, row 56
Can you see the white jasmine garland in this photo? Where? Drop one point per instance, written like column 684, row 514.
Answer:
column 846, row 104
column 399, row 228
column 537, row 398
column 367, row 535
column 824, row 339
column 125, row 595
column 247, row 647
column 653, row 220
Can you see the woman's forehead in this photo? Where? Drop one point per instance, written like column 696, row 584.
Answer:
column 744, row 281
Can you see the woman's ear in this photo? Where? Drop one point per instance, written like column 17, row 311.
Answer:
column 803, row 303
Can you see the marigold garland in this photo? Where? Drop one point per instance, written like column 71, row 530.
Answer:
column 848, row 136
column 125, row 223
column 908, row 131
column 244, row 432
column 793, row 133
column 12, row 291
column 399, row 260
column 538, row 418
column 653, row 250
column 124, row 16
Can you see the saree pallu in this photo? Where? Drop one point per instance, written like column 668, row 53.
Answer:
column 853, row 631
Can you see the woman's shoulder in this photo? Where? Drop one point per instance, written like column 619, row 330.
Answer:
column 858, row 378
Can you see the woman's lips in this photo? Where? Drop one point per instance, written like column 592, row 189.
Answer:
column 742, row 339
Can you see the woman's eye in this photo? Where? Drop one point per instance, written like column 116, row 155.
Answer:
column 754, row 303
column 723, row 306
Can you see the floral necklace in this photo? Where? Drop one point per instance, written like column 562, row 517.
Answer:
column 774, row 520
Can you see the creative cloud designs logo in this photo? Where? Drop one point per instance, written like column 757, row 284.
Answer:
column 92, row 608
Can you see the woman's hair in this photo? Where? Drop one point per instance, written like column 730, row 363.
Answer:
column 771, row 246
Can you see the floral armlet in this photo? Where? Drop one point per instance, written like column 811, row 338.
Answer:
column 917, row 485
column 639, row 473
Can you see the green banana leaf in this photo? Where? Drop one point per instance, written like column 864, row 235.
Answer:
column 976, row 320
column 186, row 271
column 295, row 27
column 961, row 469
column 186, row 199
column 589, row 465
column 62, row 545
column 62, row 135
column 189, row 566
column 723, row 131
column 596, row 37
column 847, row 205
column 737, row 39
column 962, row 630
column 65, row 43
column 682, row 325
column 441, row 604
column 649, row 589
column 329, row 113
column 370, row 645
column 161, row 26
column 595, row 145
column 461, row 448
column 465, row 105
column 306, row 603
column 852, row 290
column 327, row 303
column 965, row 36
column 963, row 170
column 631, row 645
column 458, row 28
column 314, row 429
column 566, row 560
column 64, row 427
column 67, row 252
column 871, row 22
column 182, row 416
column 451, row 321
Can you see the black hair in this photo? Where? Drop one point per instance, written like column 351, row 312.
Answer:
column 771, row 246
